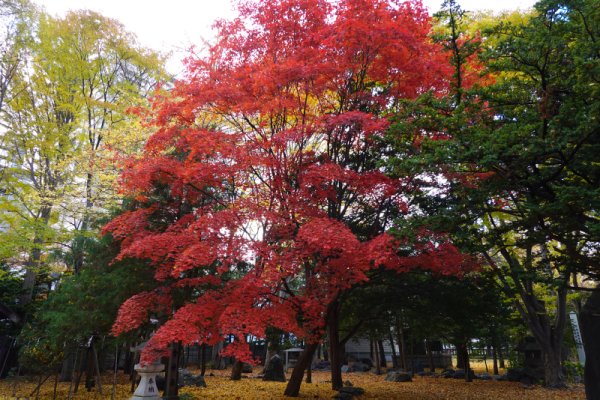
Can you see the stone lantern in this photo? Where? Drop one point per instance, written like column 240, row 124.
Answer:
column 147, row 389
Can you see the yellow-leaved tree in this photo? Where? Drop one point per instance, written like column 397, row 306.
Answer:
column 65, row 109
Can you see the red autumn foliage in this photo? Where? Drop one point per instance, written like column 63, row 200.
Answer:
column 261, row 188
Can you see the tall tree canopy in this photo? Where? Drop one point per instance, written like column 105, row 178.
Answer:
column 66, row 98
column 261, row 187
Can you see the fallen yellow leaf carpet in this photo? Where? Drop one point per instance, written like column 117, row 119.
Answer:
column 253, row 388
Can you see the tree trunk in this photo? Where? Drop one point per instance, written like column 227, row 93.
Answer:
column 411, row 357
column 377, row 359
column 402, row 343
column 590, row 332
column 335, row 346
column 548, row 332
column 129, row 359
column 79, row 250
column 270, row 353
column 429, row 356
column 172, row 374
column 293, row 387
column 460, row 356
column 495, row 359
column 29, row 279
column 553, row 374
column 501, row 356
column 216, row 355
column 8, row 355
column 236, row 370
column 549, row 336
column 486, row 353
column 468, row 377
column 66, row 370
column 462, row 360
column 186, row 357
column 394, row 354
column 89, row 370
column 35, row 258
column 202, row 359
column 382, row 360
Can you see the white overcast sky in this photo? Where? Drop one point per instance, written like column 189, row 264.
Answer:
column 174, row 25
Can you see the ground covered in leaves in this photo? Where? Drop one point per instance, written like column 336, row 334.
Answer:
column 251, row 387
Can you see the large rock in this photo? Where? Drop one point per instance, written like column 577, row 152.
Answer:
column 348, row 393
column 418, row 367
column 246, row 368
column 353, row 390
column 515, row 374
column 359, row 367
column 186, row 378
column 398, row 377
column 460, row 374
column 522, row 375
column 447, row 373
column 274, row 370
column 322, row 365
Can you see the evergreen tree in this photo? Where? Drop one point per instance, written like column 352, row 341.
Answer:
column 512, row 166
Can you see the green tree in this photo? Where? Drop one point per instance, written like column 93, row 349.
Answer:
column 10, row 290
column 515, row 178
column 430, row 307
column 83, row 305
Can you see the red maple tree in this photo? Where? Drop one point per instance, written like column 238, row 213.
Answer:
column 260, row 193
